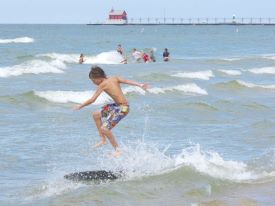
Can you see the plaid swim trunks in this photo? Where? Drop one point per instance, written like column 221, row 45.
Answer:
column 113, row 113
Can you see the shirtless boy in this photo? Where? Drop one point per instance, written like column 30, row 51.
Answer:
column 113, row 112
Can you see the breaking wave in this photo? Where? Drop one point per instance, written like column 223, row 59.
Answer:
column 263, row 70
column 33, row 67
column 230, row 72
column 204, row 75
column 81, row 96
column 141, row 160
column 251, row 85
column 237, row 84
column 212, row 164
column 17, row 40
column 110, row 57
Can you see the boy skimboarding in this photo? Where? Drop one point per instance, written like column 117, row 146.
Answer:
column 113, row 112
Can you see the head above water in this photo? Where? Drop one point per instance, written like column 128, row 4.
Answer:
column 97, row 75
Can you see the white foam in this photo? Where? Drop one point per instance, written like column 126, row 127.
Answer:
column 272, row 57
column 204, row 75
column 251, row 85
column 263, row 70
column 230, row 72
column 231, row 59
column 111, row 57
column 68, row 58
column 33, row 67
column 140, row 159
column 17, row 40
column 212, row 164
column 81, row 96
column 72, row 96
column 186, row 88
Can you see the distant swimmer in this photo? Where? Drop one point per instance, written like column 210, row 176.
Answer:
column 119, row 49
column 146, row 58
column 152, row 56
column 81, row 59
column 137, row 55
column 113, row 112
column 121, row 52
column 166, row 55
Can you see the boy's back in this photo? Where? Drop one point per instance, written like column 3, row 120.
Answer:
column 111, row 86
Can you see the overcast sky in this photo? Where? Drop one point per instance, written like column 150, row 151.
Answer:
column 85, row 11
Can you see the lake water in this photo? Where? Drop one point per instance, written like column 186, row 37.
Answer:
column 203, row 134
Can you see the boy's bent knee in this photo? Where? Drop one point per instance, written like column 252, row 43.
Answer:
column 96, row 115
column 104, row 129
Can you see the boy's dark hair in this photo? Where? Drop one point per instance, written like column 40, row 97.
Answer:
column 96, row 72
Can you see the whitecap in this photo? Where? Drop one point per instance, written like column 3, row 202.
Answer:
column 203, row 75
column 72, row 96
column 17, row 40
column 81, row 96
column 251, row 85
column 110, row 57
column 230, row 72
column 212, row 164
column 263, row 70
column 33, row 67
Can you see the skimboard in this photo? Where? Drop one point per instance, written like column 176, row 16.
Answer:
column 97, row 175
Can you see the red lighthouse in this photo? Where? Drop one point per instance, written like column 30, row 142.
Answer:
column 117, row 17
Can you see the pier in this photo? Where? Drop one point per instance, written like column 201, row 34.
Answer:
column 194, row 21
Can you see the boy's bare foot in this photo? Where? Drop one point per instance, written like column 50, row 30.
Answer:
column 117, row 153
column 99, row 144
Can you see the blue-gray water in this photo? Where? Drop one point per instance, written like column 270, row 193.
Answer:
column 203, row 134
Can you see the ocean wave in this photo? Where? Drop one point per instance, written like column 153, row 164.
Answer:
column 186, row 88
column 263, row 70
column 232, row 59
column 71, row 96
column 271, row 57
column 204, row 75
column 68, row 58
column 238, row 84
column 251, row 85
column 110, row 57
column 202, row 106
column 141, row 161
column 33, row 67
column 81, row 96
column 212, row 164
column 17, row 40
column 230, row 72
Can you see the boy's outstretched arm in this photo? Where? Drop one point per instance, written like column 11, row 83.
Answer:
column 89, row 101
column 130, row 82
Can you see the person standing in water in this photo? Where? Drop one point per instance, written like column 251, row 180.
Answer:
column 152, row 56
column 137, row 55
column 81, row 59
column 121, row 52
column 113, row 112
column 166, row 55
